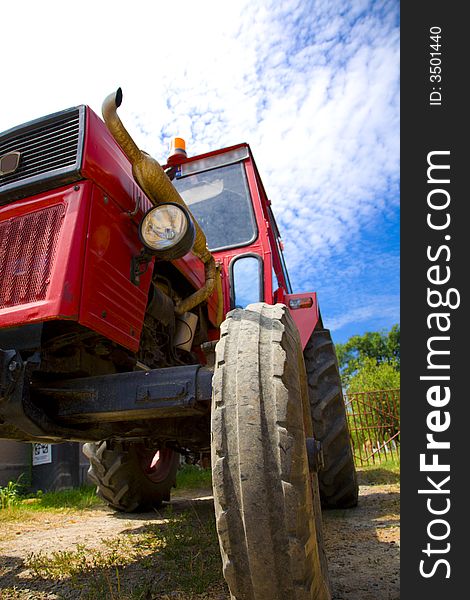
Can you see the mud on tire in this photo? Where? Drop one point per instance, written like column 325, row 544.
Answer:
column 266, row 501
column 128, row 476
column 337, row 480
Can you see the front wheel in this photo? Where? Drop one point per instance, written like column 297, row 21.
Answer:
column 131, row 476
column 266, row 500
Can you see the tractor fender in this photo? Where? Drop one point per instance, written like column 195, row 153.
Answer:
column 306, row 318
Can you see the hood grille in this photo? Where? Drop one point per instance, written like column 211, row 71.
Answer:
column 27, row 250
column 50, row 154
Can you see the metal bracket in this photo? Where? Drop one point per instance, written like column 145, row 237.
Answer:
column 141, row 260
column 133, row 213
column 16, row 408
column 315, row 455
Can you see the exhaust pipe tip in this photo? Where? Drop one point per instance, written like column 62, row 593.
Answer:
column 118, row 97
column 118, row 131
column 111, row 103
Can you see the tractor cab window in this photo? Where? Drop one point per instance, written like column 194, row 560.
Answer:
column 220, row 202
column 246, row 280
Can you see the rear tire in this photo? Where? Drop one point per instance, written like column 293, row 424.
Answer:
column 338, row 479
column 128, row 476
column 266, row 501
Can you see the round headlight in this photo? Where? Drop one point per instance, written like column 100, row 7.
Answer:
column 167, row 230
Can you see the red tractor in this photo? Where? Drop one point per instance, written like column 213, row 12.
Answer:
column 147, row 310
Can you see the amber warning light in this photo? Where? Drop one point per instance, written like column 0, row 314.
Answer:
column 177, row 151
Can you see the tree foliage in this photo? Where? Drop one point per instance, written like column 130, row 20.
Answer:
column 371, row 361
column 372, row 376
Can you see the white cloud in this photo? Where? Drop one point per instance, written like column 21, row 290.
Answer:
column 384, row 307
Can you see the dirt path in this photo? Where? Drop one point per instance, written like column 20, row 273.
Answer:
column 362, row 547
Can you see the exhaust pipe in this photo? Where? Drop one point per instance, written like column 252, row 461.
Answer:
column 115, row 126
column 157, row 186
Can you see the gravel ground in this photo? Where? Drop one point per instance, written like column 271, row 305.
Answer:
column 362, row 546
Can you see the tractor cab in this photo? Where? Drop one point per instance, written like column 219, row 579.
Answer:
column 225, row 194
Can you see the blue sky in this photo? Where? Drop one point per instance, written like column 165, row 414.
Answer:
column 312, row 86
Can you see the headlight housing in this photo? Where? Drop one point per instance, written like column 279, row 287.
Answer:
column 167, row 231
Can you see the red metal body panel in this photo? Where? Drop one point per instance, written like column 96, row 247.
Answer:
column 106, row 164
column 97, row 241
column 111, row 304
column 62, row 296
column 306, row 319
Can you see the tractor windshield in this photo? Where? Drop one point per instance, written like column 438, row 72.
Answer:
column 220, row 201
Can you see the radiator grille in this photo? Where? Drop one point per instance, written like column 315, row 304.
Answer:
column 27, row 249
column 50, row 154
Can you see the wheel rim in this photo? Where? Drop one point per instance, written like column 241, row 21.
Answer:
column 158, row 465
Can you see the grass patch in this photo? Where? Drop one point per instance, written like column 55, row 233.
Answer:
column 80, row 498
column 381, row 473
column 188, row 546
column 180, row 553
column 16, row 506
column 10, row 495
column 192, row 476
column 72, row 564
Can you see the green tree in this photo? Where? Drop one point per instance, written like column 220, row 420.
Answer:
column 380, row 347
column 372, row 376
column 371, row 363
